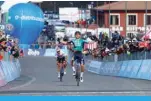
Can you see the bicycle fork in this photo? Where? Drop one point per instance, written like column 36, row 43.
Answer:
column 77, row 73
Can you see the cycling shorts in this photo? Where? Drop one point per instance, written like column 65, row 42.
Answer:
column 78, row 56
column 61, row 59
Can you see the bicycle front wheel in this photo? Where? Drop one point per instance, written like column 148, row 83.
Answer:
column 78, row 78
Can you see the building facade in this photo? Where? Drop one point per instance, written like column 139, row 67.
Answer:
column 125, row 17
column 55, row 5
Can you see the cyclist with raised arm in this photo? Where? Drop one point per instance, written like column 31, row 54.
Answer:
column 78, row 49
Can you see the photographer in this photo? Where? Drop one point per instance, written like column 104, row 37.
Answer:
column 15, row 52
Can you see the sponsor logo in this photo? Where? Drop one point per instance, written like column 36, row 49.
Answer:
column 29, row 18
column 9, row 27
column 33, row 52
column 95, row 67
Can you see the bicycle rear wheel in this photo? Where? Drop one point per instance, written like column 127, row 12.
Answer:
column 61, row 73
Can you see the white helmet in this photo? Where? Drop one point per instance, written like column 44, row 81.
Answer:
column 58, row 49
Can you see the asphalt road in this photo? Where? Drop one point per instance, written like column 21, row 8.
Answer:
column 39, row 77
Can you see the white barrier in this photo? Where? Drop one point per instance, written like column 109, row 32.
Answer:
column 9, row 71
column 2, row 77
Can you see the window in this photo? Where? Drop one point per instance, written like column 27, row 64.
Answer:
column 130, row 35
column 148, row 20
column 132, row 20
column 114, row 19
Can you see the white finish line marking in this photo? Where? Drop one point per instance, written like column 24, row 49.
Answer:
column 135, row 92
column 24, row 85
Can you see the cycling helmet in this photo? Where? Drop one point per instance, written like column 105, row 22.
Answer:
column 77, row 32
column 58, row 49
column 65, row 38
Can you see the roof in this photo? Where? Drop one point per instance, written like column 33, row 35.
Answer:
column 121, row 5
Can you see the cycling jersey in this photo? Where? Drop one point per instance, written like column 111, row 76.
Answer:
column 78, row 48
column 60, row 57
column 78, row 44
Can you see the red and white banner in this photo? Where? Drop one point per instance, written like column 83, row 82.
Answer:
column 147, row 35
column 90, row 46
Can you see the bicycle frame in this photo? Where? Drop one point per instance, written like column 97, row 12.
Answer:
column 61, row 71
column 77, row 66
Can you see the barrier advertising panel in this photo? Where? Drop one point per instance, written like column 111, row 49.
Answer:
column 87, row 64
column 123, row 68
column 144, row 72
column 128, row 70
column 117, row 68
column 34, row 52
column 17, row 66
column 2, row 77
column 95, row 67
column 102, row 70
column 135, row 64
column 109, row 68
column 7, row 71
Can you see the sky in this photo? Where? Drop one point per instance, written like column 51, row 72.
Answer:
column 9, row 3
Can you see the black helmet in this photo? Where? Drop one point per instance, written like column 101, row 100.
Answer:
column 77, row 32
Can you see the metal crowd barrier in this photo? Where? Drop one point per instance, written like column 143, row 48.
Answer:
column 137, row 69
column 111, row 58
column 144, row 55
column 10, row 68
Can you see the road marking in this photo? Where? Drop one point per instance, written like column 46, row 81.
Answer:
column 74, row 93
column 135, row 86
column 24, row 85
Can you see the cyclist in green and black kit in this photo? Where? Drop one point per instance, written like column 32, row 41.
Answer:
column 78, row 49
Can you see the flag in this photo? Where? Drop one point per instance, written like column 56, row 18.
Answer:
column 90, row 46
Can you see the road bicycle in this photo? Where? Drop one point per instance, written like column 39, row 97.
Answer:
column 78, row 71
column 61, row 72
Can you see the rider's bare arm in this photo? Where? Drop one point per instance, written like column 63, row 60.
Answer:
column 84, row 52
column 63, row 42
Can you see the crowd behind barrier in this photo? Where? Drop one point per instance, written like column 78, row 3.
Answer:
column 9, row 64
column 123, row 57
